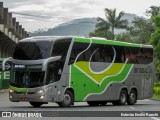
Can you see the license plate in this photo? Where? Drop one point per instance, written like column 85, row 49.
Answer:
column 24, row 98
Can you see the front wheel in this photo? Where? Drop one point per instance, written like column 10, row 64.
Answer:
column 132, row 98
column 36, row 104
column 67, row 99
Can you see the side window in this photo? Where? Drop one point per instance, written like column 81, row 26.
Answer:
column 55, row 68
column 148, row 55
column 140, row 56
column 76, row 50
column 119, row 54
column 131, row 54
column 102, row 53
column 60, row 48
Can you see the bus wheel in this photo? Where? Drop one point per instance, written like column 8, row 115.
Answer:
column 122, row 98
column 132, row 97
column 67, row 99
column 93, row 103
column 36, row 104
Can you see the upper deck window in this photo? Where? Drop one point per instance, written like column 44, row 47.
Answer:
column 32, row 50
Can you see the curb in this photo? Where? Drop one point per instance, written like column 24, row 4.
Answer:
column 155, row 99
column 4, row 91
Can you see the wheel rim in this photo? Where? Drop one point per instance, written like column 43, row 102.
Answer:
column 123, row 98
column 132, row 97
column 67, row 99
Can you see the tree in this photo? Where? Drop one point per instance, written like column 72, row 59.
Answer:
column 155, row 41
column 154, row 11
column 112, row 21
column 139, row 32
column 102, row 33
column 115, row 21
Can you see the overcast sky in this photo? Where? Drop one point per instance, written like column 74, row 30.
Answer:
column 49, row 13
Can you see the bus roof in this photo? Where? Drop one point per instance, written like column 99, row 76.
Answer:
column 42, row 38
column 85, row 40
column 109, row 42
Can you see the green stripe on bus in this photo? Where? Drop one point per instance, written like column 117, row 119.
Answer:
column 15, row 89
column 108, row 42
column 79, row 78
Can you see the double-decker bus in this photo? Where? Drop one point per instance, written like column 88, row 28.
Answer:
column 65, row 70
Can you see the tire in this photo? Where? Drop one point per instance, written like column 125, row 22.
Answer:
column 93, row 103
column 122, row 98
column 36, row 104
column 132, row 97
column 67, row 99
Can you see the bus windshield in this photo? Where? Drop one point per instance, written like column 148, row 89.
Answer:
column 32, row 50
column 28, row 79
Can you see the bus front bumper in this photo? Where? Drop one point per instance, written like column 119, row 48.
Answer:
column 31, row 97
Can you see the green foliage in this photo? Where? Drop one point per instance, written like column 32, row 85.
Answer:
column 155, row 41
column 156, row 21
column 156, row 89
column 141, row 30
column 112, row 21
column 153, row 11
column 115, row 21
column 102, row 33
column 155, row 38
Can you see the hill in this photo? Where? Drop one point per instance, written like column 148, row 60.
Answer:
column 77, row 27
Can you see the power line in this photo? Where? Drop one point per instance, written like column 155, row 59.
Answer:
column 46, row 16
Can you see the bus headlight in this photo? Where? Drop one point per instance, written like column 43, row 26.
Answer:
column 11, row 91
column 41, row 97
column 40, row 91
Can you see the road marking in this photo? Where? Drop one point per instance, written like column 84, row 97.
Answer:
column 132, row 108
column 155, row 118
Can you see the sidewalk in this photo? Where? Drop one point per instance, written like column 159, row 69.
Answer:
column 4, row 91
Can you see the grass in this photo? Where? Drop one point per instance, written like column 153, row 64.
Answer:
column 156, row 97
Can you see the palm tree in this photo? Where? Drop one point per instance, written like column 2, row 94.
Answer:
column 154, row 11
column 112, row 21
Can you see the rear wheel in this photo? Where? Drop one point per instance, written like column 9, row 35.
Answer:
column 122, row 98
column 36, row 104
column 132, row 97
column 67, row 99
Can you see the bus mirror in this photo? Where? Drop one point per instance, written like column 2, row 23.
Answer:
column 6, row 64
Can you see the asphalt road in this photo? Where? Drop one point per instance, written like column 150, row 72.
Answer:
column 142, row 106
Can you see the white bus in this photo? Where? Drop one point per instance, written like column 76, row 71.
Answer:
column 73, row 69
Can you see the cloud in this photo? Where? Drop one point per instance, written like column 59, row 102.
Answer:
column 52, row 12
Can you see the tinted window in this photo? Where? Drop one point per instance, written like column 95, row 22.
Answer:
column 60, row 48
column 55, row 68
column 102, row 53
column 119, row 54
column 139, row 55
column 95, row 53
column 76, row 50
column 130, row 54
column 32, row 50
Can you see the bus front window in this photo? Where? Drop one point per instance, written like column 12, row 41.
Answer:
column 27, row 79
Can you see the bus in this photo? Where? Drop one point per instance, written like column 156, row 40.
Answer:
column 65, row 70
